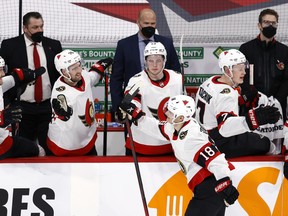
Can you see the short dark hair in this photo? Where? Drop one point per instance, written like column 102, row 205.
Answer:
column 268, row 11
column 28, row 15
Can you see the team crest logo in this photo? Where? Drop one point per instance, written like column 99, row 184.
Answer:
column 60, row 88
column 280, row 65
column 225, row 91
column 183, row 134
column 88, row 118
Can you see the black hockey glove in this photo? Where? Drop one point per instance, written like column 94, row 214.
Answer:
column 133, row 111
column 10, row 115
column 249, row 96
column 101, row 65
column 285, row 168
column 26, row 75
column 120, row 116
column 61, row 108
column 226, row 191
column 261, row 116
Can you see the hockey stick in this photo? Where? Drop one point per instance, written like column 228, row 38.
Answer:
column 182, row 64
column 127, row 99
column 251, row 74
column 15, row 126
column 106, row 72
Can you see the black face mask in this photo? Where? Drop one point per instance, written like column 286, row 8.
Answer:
column 269, row 31
column 148, row 31
column 37, row 37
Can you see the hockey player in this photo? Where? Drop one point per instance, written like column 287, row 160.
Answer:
column 206, row 169
column 218, row 111
column 72, row 131
column 158, row 84
column 15, row 146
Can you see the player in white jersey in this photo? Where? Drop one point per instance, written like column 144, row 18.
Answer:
column 14, row 145
column 206, row 169
column 72, row 131
column 157, row 85
column 218, row 111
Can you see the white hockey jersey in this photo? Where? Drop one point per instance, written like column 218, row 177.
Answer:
column 151, row 99
column 197, row 157
column 215, row 103
column 77, row 135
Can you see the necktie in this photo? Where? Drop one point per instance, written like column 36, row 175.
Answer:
column 146, row 41
column 38, row 81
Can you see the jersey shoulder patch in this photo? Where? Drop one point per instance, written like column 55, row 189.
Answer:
column 60, row 88
column 225, row 91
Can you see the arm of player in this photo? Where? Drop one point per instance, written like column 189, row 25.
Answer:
column 210, row 158
column 99, row 67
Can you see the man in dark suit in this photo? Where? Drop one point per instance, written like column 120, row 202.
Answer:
column 129, row 56
column 32, row 50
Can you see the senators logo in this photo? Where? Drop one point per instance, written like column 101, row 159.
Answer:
column 88, row 118
column 183, row 134
column 225, row 91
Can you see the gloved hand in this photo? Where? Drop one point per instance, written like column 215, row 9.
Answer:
column 26, row 75
column 285, row 168
column 61, row 108
column 133, row 111
column 261, row 116
column 120, row 116
column 249, row 96
column 10, row 115
column 101, row 65
column 226, row 191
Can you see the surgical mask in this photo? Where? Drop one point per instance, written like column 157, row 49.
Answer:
column 148, row 31
column 37, row 37
column 269, row 31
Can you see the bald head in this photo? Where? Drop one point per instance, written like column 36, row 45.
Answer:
column 146, row 18
column 145, row 13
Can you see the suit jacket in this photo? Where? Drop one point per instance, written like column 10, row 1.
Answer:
column 127, row 64
column 13, row 51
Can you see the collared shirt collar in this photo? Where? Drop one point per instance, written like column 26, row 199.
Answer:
column 140, row 38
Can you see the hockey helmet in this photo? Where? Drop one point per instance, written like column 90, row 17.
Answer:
column 2, row 62
column 3, row 65
column 155, row 48
column 231, row 57
column 65, row 59
column 181, row 105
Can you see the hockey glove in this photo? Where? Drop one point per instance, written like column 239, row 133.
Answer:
column 261, row 116
column 10, row 115
column 61, row 108
column 133, row 111
column 249, row 96
column 26, row 75
column 120, row 116
column 226, row 191
column 101, row 65
column 285, row 168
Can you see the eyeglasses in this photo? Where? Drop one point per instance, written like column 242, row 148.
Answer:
column 267, row 23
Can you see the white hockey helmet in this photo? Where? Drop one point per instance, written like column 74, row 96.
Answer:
column 155, row 48
column 64, row 60
column 2, row 62
column 3, row 65
column 181, row 105
column 231, row 57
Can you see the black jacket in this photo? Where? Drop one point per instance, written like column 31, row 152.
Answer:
column 270, row 68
